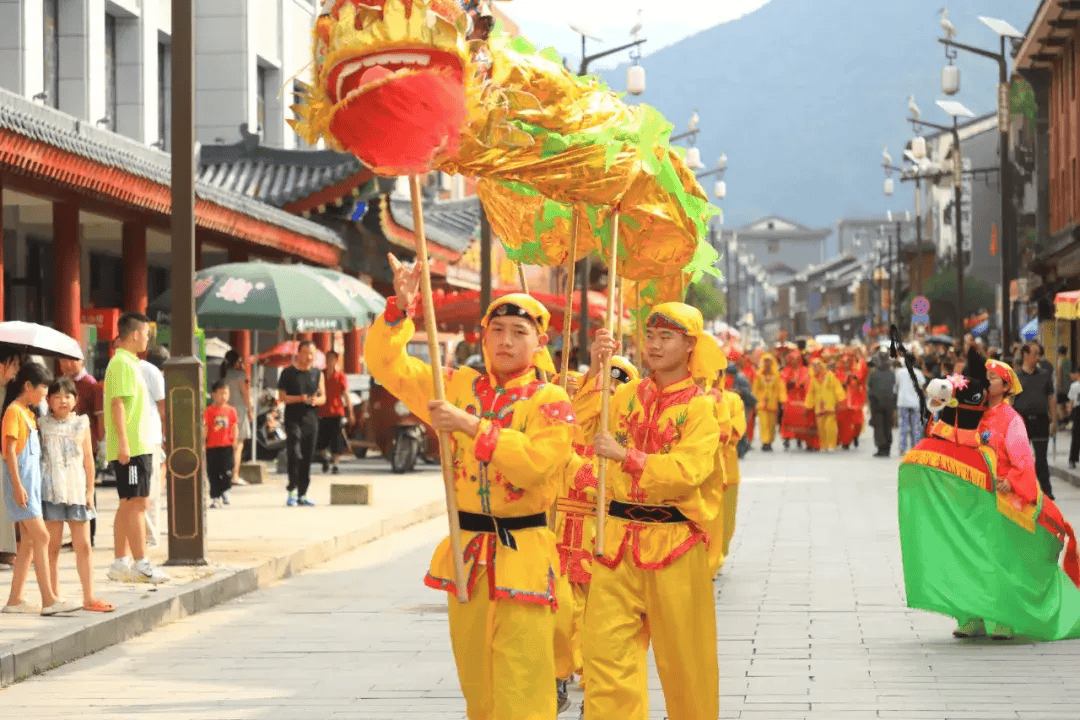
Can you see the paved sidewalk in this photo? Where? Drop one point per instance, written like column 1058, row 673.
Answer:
column 252, row 542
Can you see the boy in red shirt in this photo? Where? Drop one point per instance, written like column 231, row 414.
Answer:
column 220, row 424
column 332, row 413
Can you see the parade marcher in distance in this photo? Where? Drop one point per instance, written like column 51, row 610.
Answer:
column 719, row 546
column 653, row 581
column 771, row 393
column 510, row 437
column 823, row 396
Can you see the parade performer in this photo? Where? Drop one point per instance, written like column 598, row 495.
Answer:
column 980, row 542
column 575, row 526
column 511, row 436
column 796, row 381
column 653, row 581
column 723, row 528
column 823, row 396
column 770, row 392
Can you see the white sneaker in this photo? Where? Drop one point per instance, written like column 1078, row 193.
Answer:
column 60, row 606
column 120, row 569
column 240, row 481
column 225, row 497
column 143, row 571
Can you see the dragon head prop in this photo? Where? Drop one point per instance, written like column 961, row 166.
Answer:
column 389, row 81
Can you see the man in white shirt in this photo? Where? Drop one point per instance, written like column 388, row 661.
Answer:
column 907, row 407
column 155, row 401
column 1074, row 416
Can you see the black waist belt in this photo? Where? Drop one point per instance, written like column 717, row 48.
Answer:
column 646, row 513
column 501, row 526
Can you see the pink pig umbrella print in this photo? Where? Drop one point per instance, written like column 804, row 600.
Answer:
column 266, row 296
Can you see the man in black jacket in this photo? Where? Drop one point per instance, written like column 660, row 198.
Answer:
column 1036, row 405
column 881, row 389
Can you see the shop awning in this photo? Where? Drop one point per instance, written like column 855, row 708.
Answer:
column 1067, row 305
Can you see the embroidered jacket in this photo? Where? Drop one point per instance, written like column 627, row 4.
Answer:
column 575, row 525
column 671, row 436
column 825, row 393
column 769, row 391
column 511, row 468
column 713, row 489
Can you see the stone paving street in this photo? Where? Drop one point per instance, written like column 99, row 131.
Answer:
column 811, row 620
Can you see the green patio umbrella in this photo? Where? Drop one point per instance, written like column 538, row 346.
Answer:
column 267, row 296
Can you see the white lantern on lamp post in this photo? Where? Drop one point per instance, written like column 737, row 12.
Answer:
column 950, row 79
column 889, row 187
column 635, row 79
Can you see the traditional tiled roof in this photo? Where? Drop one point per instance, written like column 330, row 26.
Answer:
column 124, row 156
column 273, row 175
column 452, row 224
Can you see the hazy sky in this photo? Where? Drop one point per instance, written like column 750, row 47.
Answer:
column 546, row 22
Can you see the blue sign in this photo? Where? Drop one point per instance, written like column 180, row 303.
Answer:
column 358, row 211
column 921, row 319
column 981, row 328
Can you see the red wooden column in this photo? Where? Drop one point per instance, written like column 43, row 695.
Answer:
column 67, row 289
column 301, row 336
column 352, row 352
column 134, row 249
column 1, row 248
column 321, row 340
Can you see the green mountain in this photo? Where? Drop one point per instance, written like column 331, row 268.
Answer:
column 801, row 95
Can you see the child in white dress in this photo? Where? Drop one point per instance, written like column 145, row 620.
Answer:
column 67, row 491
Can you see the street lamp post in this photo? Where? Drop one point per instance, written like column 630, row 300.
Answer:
column 184, row 371
column 584, row 270
column 1008, row 213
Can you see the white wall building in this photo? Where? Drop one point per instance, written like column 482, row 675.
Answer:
column 107, row 62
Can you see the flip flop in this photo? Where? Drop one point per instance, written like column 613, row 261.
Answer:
column 99, row 606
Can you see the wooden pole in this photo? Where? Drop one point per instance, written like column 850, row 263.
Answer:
column 522, row 279
column 605, row 396
column 639, row 328
column 568, row 308
column 440, row 394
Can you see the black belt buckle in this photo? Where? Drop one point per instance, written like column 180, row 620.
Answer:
column 655, row 514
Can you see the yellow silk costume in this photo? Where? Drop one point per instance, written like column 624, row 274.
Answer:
column 823, row 396
column 503, row 637
column 653, row 582
column 715, row 485
column 732, row 477
column 770, row 391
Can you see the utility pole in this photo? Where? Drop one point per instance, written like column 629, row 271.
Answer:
column 184, row 371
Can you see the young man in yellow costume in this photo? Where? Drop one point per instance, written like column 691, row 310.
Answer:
column 510, row 437
column 575, row 528
column 770, row 392
column 824, row 396
column 723, row 527
column 653, row 581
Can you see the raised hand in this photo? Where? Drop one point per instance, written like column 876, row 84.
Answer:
column 406, row 281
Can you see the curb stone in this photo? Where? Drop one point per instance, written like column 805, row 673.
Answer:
column 165, row 604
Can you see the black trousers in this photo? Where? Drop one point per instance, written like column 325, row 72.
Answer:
column 219, row 469
column 1074, row 446
column 881, row 421
column 1038, row 429
column 299, row 449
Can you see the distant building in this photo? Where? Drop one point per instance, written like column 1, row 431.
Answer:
column 773, row 240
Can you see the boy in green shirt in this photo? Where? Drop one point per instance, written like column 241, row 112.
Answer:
column 129, row 448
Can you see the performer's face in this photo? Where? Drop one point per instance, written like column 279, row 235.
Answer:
column 510, row 343
column 997, row 386
column 667, row 350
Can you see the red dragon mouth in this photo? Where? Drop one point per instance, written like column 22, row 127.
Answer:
column 357, row 75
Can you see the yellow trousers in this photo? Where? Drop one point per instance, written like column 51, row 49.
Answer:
column 722, row 528
column 569, row 619
column 827, row 431
column 505, row 656
column 767, row 421
column 674, row 608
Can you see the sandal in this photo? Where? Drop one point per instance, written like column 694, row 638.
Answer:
column 99, row 606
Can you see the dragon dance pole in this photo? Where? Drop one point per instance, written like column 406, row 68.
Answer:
column 639, row 329
column 568, row 315
column 605, row 396
column 568, row 308
column 522, row 279
column 440, row 393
